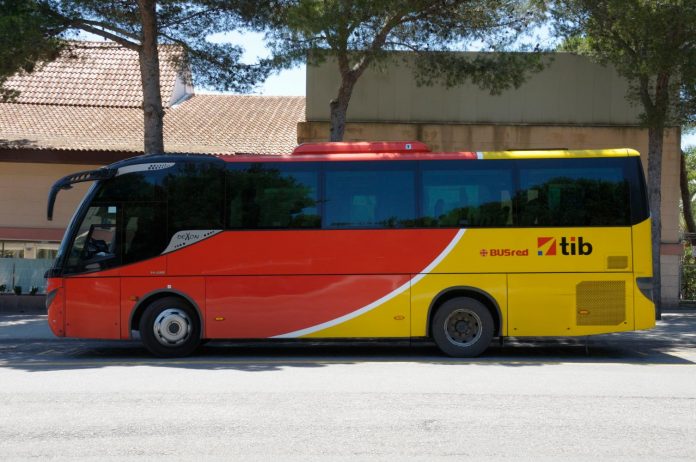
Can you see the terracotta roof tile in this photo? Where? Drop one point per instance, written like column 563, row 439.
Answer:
column 235, row 123
column 90, row 99
column 93, row 74
column 221, row 124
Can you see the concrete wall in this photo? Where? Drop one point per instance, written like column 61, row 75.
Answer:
column 24, row 191
column 481, row 137
column 571, row 90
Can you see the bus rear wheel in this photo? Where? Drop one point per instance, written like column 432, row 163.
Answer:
column 169, row 327
column 462, row 327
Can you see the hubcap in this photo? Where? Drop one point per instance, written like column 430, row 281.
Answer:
column 463, row 327
column 172, row 327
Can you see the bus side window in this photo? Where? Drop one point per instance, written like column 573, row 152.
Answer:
column 370, row 195
column 272, row 196
column 463, row 195
column 195, row 194
column 144, row 233
column 573, row 192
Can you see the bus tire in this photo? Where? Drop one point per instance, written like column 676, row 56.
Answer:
column 170, row 328
column 462, row 327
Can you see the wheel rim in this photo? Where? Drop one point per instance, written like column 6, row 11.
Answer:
column 172, row 327
column 463, row 328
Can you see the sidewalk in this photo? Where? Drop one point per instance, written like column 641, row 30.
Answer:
column 676, row 331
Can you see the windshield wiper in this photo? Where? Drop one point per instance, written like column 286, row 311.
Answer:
column 80, row 177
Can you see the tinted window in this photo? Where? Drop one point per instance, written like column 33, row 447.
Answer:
column 96, row 244
column 144, row 231
column 273, row 196
column 111, row 235
column 132, row 187
column 370, row 195
column 466, row 194
column 573, row 192
column 153, row 205
column 196, row 197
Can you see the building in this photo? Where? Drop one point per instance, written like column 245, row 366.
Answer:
column 83, row 111
column 572, row 104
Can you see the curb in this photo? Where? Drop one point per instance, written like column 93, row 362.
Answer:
column 22, row 304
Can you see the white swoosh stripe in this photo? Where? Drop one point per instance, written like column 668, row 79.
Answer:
column 375, row 304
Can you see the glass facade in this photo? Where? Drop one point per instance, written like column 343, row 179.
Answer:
column 23, row 264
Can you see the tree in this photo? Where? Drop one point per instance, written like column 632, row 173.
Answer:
column 687, row 185
column 28, row 36
column 688, row 195
column 142, row 25
column 653, row 44
column 360, row 33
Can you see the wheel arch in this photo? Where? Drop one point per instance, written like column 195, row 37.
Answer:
column 471, row 292
column 147, row 299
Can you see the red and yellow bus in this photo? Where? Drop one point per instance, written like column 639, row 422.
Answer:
column 356, row 241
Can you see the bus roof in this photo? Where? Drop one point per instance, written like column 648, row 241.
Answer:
column 414, row 150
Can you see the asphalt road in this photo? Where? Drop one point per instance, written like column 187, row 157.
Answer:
column 619, row 397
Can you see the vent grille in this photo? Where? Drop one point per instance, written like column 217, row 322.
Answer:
column 617, row 262
column 600, row 303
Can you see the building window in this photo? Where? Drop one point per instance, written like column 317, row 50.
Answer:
column 28, row 250
column 9, row 249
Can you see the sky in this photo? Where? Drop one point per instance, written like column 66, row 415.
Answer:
column 291, row 82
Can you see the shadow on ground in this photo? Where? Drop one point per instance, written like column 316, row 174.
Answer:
column 673, row 341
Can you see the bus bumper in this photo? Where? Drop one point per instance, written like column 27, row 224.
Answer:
column 55, row 306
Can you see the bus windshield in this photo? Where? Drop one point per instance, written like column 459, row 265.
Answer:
column 95, row 244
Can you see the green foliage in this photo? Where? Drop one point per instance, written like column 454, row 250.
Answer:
column 650, row 42
column 494, row 72
column 362, row 30
column 27, row 35
column 18, row 290
column 574, row 44
column 266, row 198
column 690, row 179
column 690, row 158
column 688, row 276
column 361, row 33
column 187, row 24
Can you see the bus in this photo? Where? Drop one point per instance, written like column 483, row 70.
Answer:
column 366, row 240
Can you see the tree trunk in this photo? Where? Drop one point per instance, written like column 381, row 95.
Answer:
column 153, row 114
column 686, row 196
column 655, row 139
column 339, row 107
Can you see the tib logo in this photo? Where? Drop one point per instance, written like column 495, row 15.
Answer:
column 569, row 246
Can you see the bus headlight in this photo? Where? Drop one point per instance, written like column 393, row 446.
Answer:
column 50, row 296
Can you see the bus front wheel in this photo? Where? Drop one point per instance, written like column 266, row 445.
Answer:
column 462, row 327
column 169, row 327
